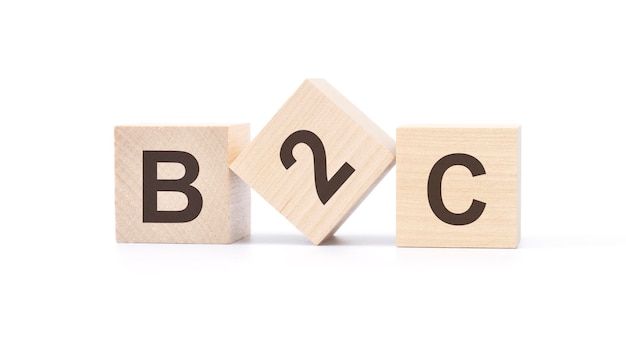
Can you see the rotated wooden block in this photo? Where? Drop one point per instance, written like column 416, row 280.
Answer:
column 458, row 186
column 317, row 159
column 173, row 184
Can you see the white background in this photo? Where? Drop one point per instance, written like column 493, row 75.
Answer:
column 71, row 70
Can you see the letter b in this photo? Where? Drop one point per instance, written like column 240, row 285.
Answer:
column 152, row 185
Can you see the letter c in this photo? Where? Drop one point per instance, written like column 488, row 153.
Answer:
column 434, row 189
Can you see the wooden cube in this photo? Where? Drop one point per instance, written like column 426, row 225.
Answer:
column 173, row 184
column 316, row 159
column 458, row 186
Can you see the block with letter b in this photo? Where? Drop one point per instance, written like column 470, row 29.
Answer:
column 458, row 186
column 173, row 184
column 317, row 159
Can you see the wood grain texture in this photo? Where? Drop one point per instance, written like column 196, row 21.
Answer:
column 497, row 148
column 348, row 136
column 225, row 214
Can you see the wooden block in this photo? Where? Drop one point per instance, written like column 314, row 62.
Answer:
column 316, row 159
column 458, row 186
column 173, row 184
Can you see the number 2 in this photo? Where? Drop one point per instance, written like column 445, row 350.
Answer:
column 325, row 188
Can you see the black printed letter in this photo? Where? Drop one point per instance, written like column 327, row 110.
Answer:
column 434, row 189
column 152, row 185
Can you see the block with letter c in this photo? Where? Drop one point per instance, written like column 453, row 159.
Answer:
column 458, row 186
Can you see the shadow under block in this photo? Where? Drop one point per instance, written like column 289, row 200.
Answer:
column 224, row 209
column 420, row 148
column 317, row 141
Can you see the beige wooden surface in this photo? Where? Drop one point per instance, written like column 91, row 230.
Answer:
column 347, row 135
column 225, row 214
column 497, row 148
